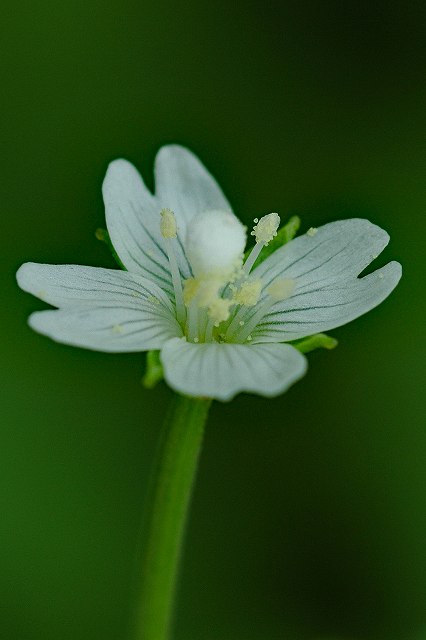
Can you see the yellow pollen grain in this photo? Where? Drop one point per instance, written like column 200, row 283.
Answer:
column 311, row 232
column 117, row 328
column 190, row 289
column 219, row 310
column 249, row 293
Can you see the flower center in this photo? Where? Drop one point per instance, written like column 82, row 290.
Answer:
column 221, row 302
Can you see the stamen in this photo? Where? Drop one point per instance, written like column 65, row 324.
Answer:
column 248, row 296
column 278, row 291
column 265, row 229
column 168, row 230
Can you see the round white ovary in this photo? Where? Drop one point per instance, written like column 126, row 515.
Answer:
column 215, row 242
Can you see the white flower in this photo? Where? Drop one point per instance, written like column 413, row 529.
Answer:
column 221, row 327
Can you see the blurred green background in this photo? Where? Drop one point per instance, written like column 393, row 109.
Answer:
column 309, row 516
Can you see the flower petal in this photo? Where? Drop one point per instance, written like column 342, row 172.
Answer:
column 70, row 285
column 184, row 185
column 223, row 370
column 335, row 252
column 320, row 309
column 114, row 329
column 133, row 220
column 101, row 309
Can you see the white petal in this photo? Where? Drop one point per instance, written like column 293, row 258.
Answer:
column 114, row 329
column 70, row 285
column 335, row 252
column 222, row 370
column 327, row 292
column 101, row 309
column 133, row 220
column 318, row 309
column 184, row 185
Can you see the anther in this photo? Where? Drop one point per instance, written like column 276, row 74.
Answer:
column 279, row 290
column 168, row 226
column 249, row 293
column 264, row 231
column 266, row 228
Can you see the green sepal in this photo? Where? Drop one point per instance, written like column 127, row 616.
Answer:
column 103, row 236
column 317, row 341
column 284, row 235
column 154, row 370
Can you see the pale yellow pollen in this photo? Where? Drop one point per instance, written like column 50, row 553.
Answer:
column 311, row 232
column 205, row 290
column 266, row 228
column 241, row 323
column 196, row 339
column 281, row 289
column 219, row 310
column 168, row 226
column 117, row 328
column 208, row 291
column 249, row 338
column 249, row 293
column 190, row 289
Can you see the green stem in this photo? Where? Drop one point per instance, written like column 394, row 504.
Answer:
column 171, row 490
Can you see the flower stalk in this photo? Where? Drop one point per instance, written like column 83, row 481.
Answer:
column 168, row 503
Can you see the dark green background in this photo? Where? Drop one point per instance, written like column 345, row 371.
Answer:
column 309, row 516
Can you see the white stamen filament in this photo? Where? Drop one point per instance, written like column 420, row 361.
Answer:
column 177, row 282
column 279, row 290
column 254, row 253
column 168, row 230
column 192, row 320
column 245, row 330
